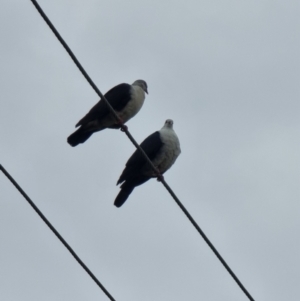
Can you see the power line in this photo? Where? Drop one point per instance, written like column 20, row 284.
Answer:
column 200, row 231
column 42, row 216
column 124, row 128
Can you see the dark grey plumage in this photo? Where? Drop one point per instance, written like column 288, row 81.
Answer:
column 126, row 100
column 162, row 148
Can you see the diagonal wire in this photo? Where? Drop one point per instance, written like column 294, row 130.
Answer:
column 124, row 129
column 42, row 216
column 200, row 231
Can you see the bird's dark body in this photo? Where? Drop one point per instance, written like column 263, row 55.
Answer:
column 125, row 99
column 118, row 97
column 162, row 148
column 138, row 170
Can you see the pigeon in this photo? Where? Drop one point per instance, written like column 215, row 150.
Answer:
column 162, row 147
column 126, row 100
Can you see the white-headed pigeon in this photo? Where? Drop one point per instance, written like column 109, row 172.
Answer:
column 162, row 148
column 126, row 100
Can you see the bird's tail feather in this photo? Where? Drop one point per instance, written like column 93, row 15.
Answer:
column 123, row 195
column 79, row 136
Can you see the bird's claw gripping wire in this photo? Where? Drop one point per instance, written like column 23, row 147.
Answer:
column 123, row 127
column 159, row 177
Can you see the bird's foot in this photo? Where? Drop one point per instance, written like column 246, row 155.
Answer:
column 157, row 174
column 159, row 177
column 123, row 127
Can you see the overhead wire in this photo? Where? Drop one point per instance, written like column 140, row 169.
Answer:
column 56, row 233
column 125, row 129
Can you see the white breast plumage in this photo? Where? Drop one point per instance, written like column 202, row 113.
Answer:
column 170, row 150
column 134, row 105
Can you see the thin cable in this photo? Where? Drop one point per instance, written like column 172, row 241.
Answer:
column 42, row 216
column 125, row 129
column 207, row 240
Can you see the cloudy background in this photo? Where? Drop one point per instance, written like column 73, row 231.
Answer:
column 227, row 73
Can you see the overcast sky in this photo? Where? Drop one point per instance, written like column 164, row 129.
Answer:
column 227, row 73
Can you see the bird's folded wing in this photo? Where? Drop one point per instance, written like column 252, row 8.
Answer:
column 118, row 97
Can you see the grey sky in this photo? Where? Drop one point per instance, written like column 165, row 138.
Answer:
column 227, row 73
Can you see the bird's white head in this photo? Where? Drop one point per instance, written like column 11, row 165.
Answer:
column 168, row 124
column 141, row 83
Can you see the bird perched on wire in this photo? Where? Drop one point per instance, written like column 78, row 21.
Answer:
column 162, row 147
column 126, row 100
